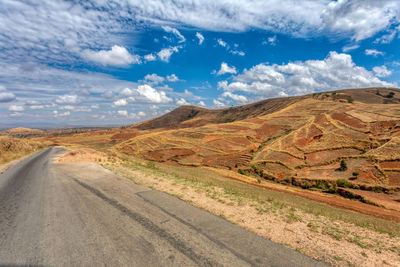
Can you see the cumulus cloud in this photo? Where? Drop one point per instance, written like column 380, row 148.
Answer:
column 238, row 98
column 166, row 53
column 360, row 18
column 201, row 104
column 117, row 56
column 373, row 52
column 226, row 69
column 60, row 32
column 150, row 57
column 122, row 112
column 126, row 92
column 336, row 71
column 175, row 32
column 200, row 37
column 218, row 103
column 108, row 94
column 182, row 102
column 68, row 99
column 6, row 97
column 152, row 94
column 153, row 78
column 381, row 71
column 172, row 78
column 120, row 102
column 16, row 108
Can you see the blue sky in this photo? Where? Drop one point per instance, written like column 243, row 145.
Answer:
column 119, row 62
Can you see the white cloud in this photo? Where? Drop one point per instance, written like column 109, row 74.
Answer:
column 182, row 102
column 336, row 71
column 16, row 108
column 150, row 57
column 67, row 107
column 360, row 18
column 239, row 98
column 95, row 106
column 152, row 94
column 226, row 69
column 200, row 37
column 237, row 52
column 388, row 37
column 272, row 40
column 141, row 114
column 222, row 42
column 201, row 104
column 120, row 103
column 350, row 47
column 126, row 92
column 117, row 56
column 68, row 99
column 57, row 114
column 6, row 97
column 153, row 78
column 122, row 112
column 381, row 71
column 166, row 53
column 36, row 107
column 218, row 104
column 373, row 52
column 60, row 32
column 175, row 32
column 172, row 78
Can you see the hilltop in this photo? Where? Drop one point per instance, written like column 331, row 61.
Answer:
column 22, row 131
column 193, row 116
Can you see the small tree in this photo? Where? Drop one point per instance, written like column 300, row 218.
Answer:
column 356, row 173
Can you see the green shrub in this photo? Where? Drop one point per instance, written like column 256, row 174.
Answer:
column 356, row 173
column 350, row 100
column 343, row 183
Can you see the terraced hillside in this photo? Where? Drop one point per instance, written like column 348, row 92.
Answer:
column 352, row 135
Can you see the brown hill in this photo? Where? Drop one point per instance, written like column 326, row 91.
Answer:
column 192, row 116
column 22, row 131
column 299, row 140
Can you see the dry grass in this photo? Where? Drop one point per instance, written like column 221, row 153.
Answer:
column 328, row 234
column 14, row 148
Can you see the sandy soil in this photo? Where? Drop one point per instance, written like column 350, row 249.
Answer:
column 82, row 155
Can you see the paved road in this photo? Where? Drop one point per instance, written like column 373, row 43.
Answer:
column 83, row 215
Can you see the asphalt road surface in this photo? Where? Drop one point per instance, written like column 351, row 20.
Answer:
column 79, row 214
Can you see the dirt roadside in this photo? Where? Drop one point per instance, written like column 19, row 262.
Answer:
column 333, row 241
